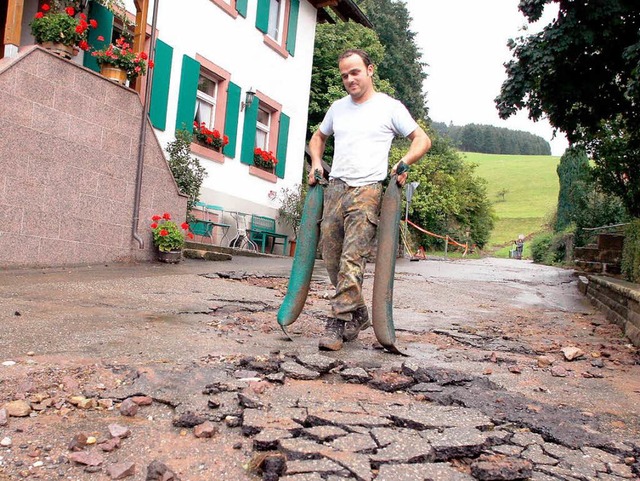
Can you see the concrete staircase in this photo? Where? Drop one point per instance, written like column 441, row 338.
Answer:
column 603, row 258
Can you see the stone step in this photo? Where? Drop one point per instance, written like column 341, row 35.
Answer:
column 598, row 267
column 206, row 255
column 594, row 254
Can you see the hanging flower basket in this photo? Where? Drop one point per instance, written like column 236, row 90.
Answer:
column 115, row 74
column 60, row 49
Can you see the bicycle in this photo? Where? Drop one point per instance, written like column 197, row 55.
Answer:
column 241, row 239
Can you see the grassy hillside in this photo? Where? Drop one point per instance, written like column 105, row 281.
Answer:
column 531, row 183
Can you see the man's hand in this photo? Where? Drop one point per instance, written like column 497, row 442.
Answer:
column 313, row 179
column 402, row 178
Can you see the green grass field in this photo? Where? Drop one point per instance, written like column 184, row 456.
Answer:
column 531, row 185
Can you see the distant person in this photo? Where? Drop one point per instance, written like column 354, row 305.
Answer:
column 519, row 247
column 363, row 124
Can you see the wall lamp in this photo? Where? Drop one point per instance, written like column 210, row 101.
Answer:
column 248, row 99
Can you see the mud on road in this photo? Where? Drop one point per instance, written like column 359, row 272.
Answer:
column 486, row 389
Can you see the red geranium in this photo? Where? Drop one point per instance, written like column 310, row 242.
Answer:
column 210, row 137
column 121, row 55
column 264, row 160
column 167, row 236
column 57, row 23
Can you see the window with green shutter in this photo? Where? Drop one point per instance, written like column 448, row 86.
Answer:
column 283, row 141
column 104, row 17
column 188, row 90
column 293, row 26
column 231, row 119
column 262, row 16
column 249, row 132
column 160, row 87
column 241, row 7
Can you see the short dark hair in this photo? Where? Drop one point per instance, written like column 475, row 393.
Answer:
column 360, row 53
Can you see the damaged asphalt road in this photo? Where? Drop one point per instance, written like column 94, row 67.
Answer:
column 181, row 372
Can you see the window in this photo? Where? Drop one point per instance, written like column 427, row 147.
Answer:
column 263, row 127
column 208, row 95
column 266, row 127
column 274, row 30
column 232, row 7
column 206, row 100
column 278, row 20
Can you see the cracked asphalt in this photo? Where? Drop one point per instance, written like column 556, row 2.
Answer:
column 486, row 392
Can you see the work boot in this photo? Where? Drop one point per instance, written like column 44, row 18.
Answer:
column 359, row 322
column 332, row 338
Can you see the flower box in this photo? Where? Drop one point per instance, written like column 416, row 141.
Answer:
column 264, row 160
column 211, row 139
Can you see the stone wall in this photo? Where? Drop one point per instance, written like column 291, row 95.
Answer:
column 69, row 142
column 618, row 299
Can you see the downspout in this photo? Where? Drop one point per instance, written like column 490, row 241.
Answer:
column 143, row 130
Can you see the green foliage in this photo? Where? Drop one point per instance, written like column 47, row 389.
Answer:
column 573, row 174
column 451, row 198
column 291, row 206
column 550, row 248
column 582, row 72
column 493, row 140
column 597, row 209
column 186, row 170
column 401, row 64
column 326, row 84
column 631, row 252
column 56, row 22
column 540, row 246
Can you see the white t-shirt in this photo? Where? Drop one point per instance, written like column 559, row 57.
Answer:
column 363, row 135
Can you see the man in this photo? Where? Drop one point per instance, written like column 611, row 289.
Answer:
column 363, row 124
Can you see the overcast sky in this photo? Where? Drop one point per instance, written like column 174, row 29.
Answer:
column 464, row 44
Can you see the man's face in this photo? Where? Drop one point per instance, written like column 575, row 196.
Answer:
column 356, row 77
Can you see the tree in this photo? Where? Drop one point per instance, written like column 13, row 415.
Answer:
column 326, row 84
column 451, row 199
column 186, row 169
column 401, row 65
column 582, row 72
column 573, row 171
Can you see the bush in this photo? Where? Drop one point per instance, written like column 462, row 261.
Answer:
column 631, row 252
column 540, row 246
column 549, row 248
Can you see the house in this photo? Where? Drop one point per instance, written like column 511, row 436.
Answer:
column 242, row 67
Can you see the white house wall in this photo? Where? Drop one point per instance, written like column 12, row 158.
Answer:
column 236, row 45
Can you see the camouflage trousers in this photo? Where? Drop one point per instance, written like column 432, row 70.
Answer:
column 349, row 222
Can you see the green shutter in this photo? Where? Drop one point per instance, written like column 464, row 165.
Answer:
column 262, row 17
column 293, row 27
column 188, row 91
column 231, row 119
column 241, row 7
column 160, row 86
column 283, row 140
column 104, row 17
column 249, row 132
